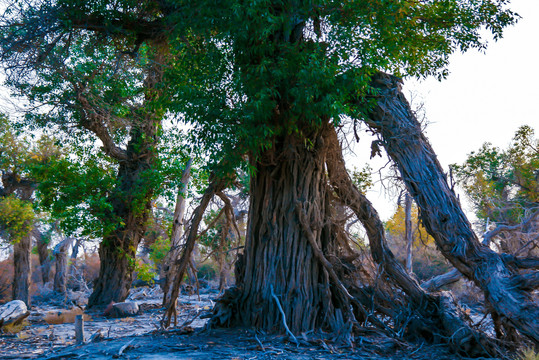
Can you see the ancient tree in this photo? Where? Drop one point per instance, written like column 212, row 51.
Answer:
column 264, row 85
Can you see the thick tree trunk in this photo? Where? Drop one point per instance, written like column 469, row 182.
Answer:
column 44, row 255
column 131, row 199
column 289, row 238
column 21, row 275
column 25, row 188
column 441, row 213
column 60, row 254
column 117, row 251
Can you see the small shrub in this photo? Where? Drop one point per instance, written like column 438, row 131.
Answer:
column 158, row 250
column 145, row 272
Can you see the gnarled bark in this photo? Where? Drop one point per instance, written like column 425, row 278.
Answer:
column 24, row 189
column 131, row 198
column 117, row 251
column 441, row 213
column 289, row 239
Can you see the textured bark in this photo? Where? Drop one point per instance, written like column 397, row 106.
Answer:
column 279, row 256
column 408, row 228
column 12, row 183
column 441, row 213
column 117, row 251
column 131, row 198
column 21, row 275
column 437, row 282
column 60, row 255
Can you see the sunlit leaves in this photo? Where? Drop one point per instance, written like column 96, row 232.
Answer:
column 396, row 226
column 16, row 218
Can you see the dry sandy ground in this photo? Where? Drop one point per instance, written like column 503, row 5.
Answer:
column 140, row 337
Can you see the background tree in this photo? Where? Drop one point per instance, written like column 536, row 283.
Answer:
column 503, row 187
column 427, row 260
column 18, row 157
column 99, row 69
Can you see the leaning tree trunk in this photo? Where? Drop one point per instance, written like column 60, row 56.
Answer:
column 167, row 275
column 408, row 231
column 284, row 267
column 438, row 317
column 442, row 215
column 180, row 266
column 21, row 275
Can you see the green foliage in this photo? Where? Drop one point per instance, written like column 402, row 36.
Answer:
column 207, row 271
column 529, row 354
column 241, row 74
column 503, row 184
column 362, row 178
column 271, row 69
column 75, row 192
column 145, row 272
column 16, row 217
column 159, row 249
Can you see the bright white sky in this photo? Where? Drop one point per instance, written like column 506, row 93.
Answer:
column 486, row 97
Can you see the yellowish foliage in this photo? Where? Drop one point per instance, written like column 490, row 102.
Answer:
column 397, row 227
column 15, row 328
column 16, row 217
column 529, row 354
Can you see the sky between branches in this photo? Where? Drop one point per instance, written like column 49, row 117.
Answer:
column 486, row 98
